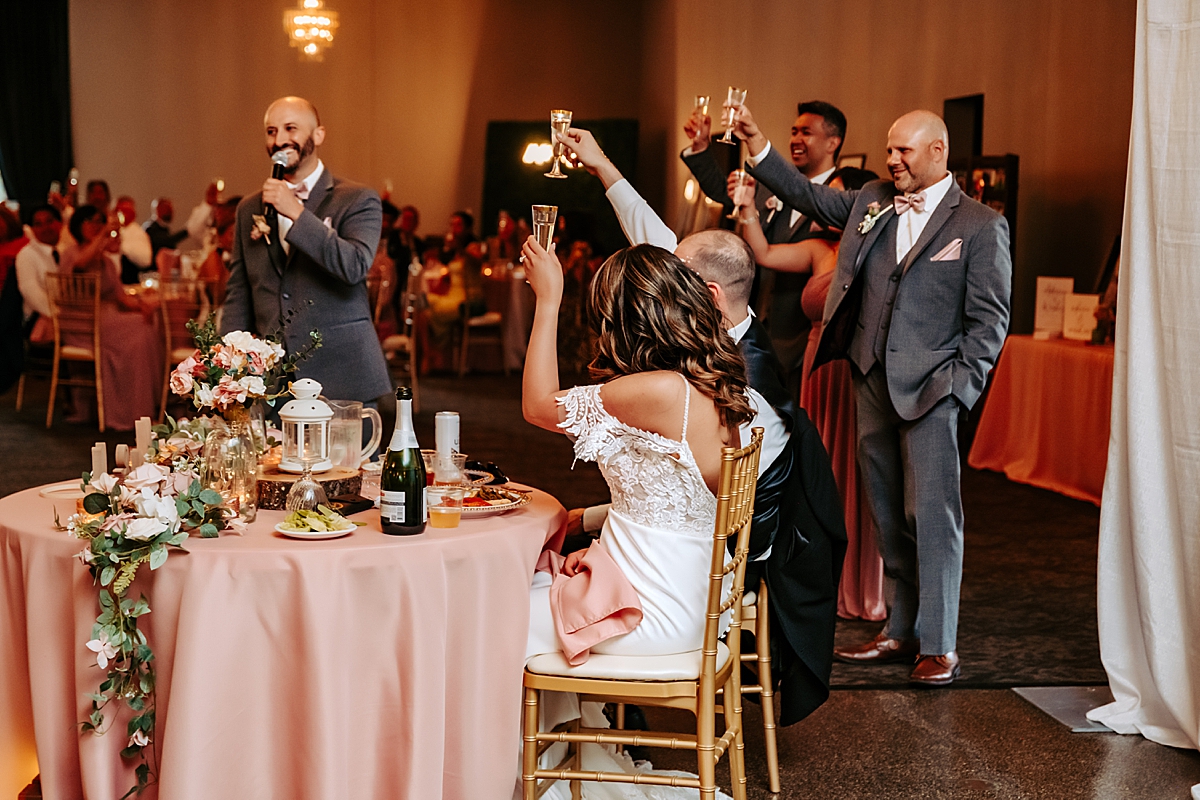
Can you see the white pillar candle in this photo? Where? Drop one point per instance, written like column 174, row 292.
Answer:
column 121, row 455
column 99, row 460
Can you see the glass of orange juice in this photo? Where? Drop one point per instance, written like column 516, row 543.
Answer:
column 445, row 504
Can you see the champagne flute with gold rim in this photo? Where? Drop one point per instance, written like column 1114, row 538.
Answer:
column 560, row 122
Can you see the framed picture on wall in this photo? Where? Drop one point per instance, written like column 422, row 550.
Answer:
column 857, row 160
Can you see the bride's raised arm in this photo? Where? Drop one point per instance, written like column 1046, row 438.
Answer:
column 539, row 386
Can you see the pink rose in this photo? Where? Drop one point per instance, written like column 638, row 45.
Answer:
column 181, row 379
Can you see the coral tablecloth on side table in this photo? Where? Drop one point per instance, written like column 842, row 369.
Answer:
column 365, row 667
column 1046, row 421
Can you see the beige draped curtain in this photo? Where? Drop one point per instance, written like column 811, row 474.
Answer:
column 1149, row 570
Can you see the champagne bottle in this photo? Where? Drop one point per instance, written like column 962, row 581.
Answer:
column 402, row 485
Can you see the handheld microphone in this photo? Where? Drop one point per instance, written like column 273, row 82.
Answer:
column 279, row 163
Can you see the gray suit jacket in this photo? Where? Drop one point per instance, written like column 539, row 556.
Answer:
column 949, row 319
column 323, row 282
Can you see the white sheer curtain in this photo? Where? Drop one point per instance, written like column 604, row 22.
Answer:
column 1149, row 570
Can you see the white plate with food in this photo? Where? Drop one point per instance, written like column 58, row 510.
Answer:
column 485, row 501
column 320, row 523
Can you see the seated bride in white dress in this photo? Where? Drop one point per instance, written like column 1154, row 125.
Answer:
column 672, row 394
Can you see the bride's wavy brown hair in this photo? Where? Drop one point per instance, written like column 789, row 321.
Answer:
column 650, row 312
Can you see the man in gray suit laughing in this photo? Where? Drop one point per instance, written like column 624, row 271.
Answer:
column 309, row 260
column 920, row 306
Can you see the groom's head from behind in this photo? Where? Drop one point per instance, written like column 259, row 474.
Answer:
column 726, row 265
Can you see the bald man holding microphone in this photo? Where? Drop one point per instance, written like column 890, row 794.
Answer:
column 920, row 307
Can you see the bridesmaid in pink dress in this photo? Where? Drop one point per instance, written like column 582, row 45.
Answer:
column 827, row 394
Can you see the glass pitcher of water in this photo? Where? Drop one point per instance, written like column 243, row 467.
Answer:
column 346, row 433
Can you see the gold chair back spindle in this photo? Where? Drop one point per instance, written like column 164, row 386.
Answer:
column 180, row 303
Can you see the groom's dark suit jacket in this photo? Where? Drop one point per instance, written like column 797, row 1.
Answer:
column 798, row 513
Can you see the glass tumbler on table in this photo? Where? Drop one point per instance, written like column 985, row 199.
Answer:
column 734, row 101
column 445, row 504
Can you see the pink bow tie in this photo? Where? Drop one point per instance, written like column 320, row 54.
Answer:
column 906, row 201
column 301, row 192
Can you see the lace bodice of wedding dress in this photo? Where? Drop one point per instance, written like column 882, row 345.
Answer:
column 654, row 480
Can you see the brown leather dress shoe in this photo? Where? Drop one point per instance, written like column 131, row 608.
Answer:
column 879, row 650
column 935, row 670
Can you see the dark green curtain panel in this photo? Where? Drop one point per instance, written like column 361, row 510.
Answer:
column 35, row 97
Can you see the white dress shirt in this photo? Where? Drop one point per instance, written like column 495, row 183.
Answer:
column 33, row 262
column 913, row 222
column 285, row 224
column 135, row 245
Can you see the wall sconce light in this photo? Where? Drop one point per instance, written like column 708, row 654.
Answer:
column 537, row 153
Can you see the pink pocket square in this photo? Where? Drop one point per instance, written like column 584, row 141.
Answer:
column 951, row 252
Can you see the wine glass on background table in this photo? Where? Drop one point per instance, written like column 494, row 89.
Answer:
column 560, row 122
column 734, row 101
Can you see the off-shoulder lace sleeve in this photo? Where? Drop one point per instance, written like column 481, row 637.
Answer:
column 586, row 423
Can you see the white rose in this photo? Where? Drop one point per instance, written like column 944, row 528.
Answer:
column 146, row 475
column 242, row 341
column 144, row 529
column 204, row 395
column 253, row 385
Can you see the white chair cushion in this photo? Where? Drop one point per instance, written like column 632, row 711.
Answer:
column 490, row 318
column 676, row 667
column 395, row 342
column 73, row 353
column 749, row 598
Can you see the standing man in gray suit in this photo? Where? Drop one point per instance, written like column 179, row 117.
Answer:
column 920, row 306
column 817, row 136
column 309, row 260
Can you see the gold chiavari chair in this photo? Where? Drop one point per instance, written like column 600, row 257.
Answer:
column 180, row 303
column 75, row 309
column 488, row 327
column 687, row 680
column 404, row 340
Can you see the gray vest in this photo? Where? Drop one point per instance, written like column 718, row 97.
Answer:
column 881, row 276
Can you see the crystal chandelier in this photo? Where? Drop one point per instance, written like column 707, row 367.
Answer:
column 310, row 28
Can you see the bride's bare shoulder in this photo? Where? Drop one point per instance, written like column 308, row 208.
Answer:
column 643, row 398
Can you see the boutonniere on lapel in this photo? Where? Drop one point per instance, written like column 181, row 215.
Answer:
column 874, row 212
column 773, row 203
column 260, row 229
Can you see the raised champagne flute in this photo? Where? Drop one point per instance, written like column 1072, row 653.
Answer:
column 734, row 101
column 701, row 105
column 739, row 176
column 560, row 122
column 544, row 218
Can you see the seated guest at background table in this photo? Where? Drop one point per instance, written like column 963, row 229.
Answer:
column 920, row 307
column 200, row 223
column 98, row 195
column 828, row 395
column 36, row 259
column 574, row 336
column 404, row 245
column 158, row 227
column 505, row 246
column 130, row 340
column 136, row 250
column 445, row 295
column 309, row 272
column 798, row 540
column 383, row 276
column 214, row 270
column 12, row 328
column 673, row 393
column 459, row 236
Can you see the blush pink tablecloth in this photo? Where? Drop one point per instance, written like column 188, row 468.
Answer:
column 1046, row 421
column 365, row 667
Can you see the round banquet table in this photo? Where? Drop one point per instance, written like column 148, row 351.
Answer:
column 369, row 666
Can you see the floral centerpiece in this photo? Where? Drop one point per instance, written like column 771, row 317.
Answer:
column 225, row 376
column 127, row 522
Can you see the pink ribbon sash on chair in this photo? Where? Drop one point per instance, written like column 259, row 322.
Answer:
column 595, row 604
